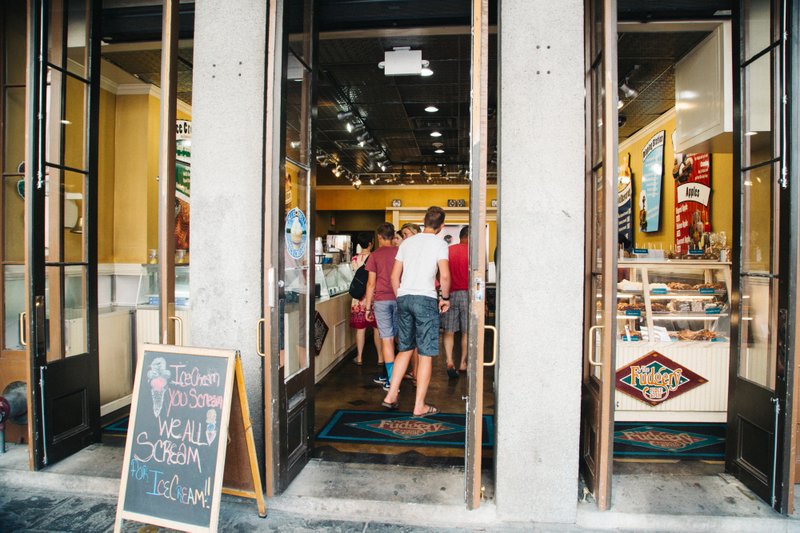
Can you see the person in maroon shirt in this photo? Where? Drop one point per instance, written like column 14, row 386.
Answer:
column 380, row 299
column 455, row 319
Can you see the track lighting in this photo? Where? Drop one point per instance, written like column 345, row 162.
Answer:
column 337, row 171
column 365, row 137
column 342, row 115
column 628, row 91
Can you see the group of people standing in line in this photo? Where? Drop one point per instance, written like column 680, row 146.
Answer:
column 414, row 277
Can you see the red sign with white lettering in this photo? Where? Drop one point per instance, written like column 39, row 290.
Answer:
column 692, row 175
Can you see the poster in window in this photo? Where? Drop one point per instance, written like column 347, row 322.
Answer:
column 652, row 176
column 183, row 181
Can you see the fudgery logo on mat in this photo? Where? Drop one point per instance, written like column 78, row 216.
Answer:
column 408, row 428
column 664, row 439
column 655, row 378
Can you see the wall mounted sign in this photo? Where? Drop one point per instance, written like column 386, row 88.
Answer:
column 655, row 378
column 457, row 203
column 652, row 175
column 320, row 332
column 296, row 233
column 692, row 175
column 625, row 199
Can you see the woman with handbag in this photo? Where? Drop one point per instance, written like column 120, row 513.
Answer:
column 358, row 310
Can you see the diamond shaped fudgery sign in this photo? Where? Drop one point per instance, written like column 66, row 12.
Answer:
column 655, row 378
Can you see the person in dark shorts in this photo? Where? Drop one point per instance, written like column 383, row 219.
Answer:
column 413, row 280
column 455, row 319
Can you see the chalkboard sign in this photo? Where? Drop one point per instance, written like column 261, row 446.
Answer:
column 177, row 436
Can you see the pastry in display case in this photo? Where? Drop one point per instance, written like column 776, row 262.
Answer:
column 685, row 300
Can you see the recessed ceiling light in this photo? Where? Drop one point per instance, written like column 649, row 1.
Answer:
column 431, row 109
column 436, row 134
column 620, row 104
column 426, row 72
column 438, row 151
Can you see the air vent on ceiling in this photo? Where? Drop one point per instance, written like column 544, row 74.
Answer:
column 438, row 123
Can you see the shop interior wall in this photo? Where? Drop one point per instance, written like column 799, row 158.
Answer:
column 721, row 194
column 344, row 200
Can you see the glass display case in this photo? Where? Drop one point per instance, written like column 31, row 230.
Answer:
column 677, row 300
column 148, row 293
column 333, row 279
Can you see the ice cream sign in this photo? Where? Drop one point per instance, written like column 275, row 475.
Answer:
column 296, row 233
column 655, row 378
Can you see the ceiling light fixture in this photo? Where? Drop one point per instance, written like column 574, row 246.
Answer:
column 431, row 109
column 436, row 134
column 438, row 151
column 620, row 104
column 403, row 61
column 342, row 115
column 627, row 90
column 349, row 127
column 425, row 72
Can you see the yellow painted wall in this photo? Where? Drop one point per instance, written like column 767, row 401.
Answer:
column 131, row 171
column 380, row 199
column 105, row 192
column 721, row 195
column 153, row 123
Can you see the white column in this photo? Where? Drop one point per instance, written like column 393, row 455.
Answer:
column 227, row 184
column 541, row 238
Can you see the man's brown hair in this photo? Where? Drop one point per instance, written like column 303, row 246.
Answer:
column 434, row 217
column 386, row 231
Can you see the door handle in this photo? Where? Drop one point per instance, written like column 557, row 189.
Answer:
column 494, row 345
column 591, row 346
column 179, row 323
column 260, row 337
column 23, row 338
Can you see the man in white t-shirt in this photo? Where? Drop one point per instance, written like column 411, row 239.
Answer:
column 418, row 306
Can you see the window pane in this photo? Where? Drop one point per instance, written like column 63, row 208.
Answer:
column 295, row 20
column 757, row 354
column 297, row 134
column 72, row 203
column 15, row 34
column 77, row 36
column 296, row 270
column 14, row 296
column 75, row 312
column 74, row 124
column 757, row 219
column 757, row 116
column 13, row 220
column 14, row 128
column 757, row 26
column 598, row 320
column 598, row 219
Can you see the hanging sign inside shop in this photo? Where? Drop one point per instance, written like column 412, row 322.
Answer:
column 296, row 233
column 183, row 182
column 625, row 200
column 652, row 175
column 692, row 176
column 655, row 378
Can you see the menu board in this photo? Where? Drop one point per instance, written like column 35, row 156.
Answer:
column 177, row 436
column 692, row 174
column 652, row 174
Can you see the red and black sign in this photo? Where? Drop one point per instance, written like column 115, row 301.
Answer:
column 655, row 378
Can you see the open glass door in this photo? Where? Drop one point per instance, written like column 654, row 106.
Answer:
column 762, row 357
column 61, row 214
column 289, row 286
column 597, row 412
column 477, row 248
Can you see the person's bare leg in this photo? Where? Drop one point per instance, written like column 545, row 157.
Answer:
column 464, row 339
column 448, row 339
column 361, row 338
column 400, row 364
column 414, row 364
column 388, row 350
column 378, row 344
column 424, row 369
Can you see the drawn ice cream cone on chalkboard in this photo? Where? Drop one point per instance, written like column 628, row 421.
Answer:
column 158, row 375
column 211, row 425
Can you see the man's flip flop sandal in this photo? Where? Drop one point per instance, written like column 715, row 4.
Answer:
column 432, row 410
column 391, row 406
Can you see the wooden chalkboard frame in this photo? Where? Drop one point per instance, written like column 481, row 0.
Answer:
column 122, row 514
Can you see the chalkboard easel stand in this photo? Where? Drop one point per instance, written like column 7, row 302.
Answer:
column 255, row 493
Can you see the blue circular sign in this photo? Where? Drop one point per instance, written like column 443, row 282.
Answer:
column 296, row 230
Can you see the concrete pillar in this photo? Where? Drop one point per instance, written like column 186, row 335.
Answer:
column 541, row 231
column 227, row 185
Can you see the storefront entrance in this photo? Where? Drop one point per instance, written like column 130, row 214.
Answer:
column 294, row 271
column 675, row 299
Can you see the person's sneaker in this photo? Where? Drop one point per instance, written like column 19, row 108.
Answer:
column 380, row 380
column 387, row 386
